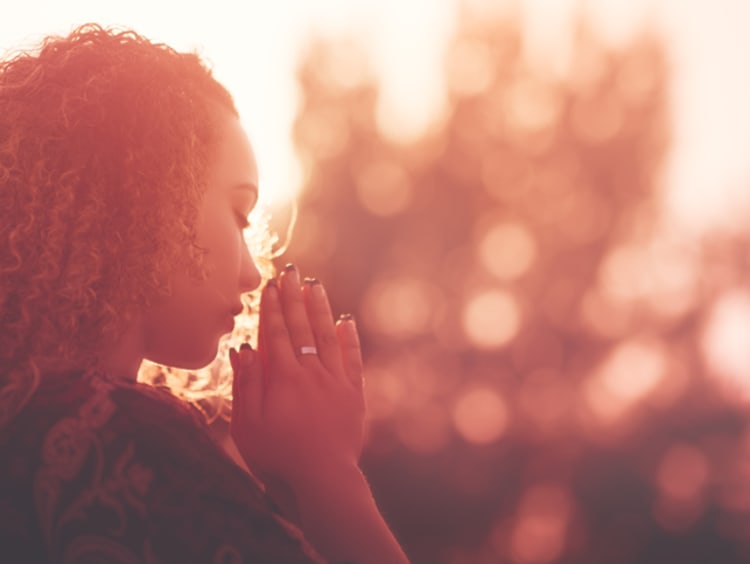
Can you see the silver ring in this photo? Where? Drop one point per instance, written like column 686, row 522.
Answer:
column 308, row 350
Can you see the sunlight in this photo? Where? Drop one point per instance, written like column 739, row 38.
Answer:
column 407, row 42
column 726, row 344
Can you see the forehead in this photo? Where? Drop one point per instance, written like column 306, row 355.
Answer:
column 233, row 161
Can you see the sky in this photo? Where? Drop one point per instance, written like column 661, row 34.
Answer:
column 254, row 46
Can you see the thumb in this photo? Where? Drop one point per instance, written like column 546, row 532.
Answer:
column 250, row 382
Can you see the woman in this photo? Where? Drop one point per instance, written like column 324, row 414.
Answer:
column 125, row 184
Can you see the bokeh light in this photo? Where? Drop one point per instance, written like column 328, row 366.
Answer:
column 683, row 473
column 384, row 188
column 481, row 415
column 632, row 371
column 492, row 318
column 556, row 368
column 682, row 476
column 507, row 250
column 544, row 515
column 469, row 68
column 401, row 306
column 726, row 343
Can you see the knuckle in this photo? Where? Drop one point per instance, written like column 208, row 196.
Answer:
column 327, row 339
column 297, row 327
column 277, row 330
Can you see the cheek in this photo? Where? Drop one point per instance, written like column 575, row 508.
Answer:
column 222, row 241
column 182, row 333
column 184, row 330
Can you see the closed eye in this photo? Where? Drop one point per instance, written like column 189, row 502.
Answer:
column 242, row 220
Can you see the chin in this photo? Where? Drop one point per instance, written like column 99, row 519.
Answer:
column 189, row 358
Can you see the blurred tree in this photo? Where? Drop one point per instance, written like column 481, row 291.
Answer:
column 531, row 333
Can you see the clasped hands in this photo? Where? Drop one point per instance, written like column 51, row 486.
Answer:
column 297, row 416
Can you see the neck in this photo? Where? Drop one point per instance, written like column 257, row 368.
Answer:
column 123, row 358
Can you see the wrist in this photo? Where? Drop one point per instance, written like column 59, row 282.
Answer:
column 339, row 516
column 325, row 474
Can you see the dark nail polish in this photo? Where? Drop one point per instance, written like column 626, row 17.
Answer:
column 346, row 317
column 312, row 281
column 233, row 359
column 290, row 267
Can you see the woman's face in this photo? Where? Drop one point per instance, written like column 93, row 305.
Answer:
column 184, row 330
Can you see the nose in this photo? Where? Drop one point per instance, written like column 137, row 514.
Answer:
column 249, row 274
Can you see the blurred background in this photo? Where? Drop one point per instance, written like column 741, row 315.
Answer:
column 538, row 213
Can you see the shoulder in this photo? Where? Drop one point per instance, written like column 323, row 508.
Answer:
column 132, row 468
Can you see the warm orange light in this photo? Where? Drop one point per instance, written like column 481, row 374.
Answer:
column 726, row 343
column 401, row 306
column 507, row 250
column 384, row 188
column 631, row 372
column 660, row 272
column 683, row 472
column 506, row 179
column 598, row 119
column 604, row 315
column 540, row 534
column 491, row 319
column 681, row 477
column 323, row 132
column 622, row 274
column 532, row 106
column 481, row 416
column 469, row 67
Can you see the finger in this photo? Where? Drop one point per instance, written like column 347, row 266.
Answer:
column 277, row 346
column 262, row 352
column 250, row 382
column 351, row 352
column 323, row 328
column 295, row 313
column 236, row 404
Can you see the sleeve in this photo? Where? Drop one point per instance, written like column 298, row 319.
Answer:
column 134, row 478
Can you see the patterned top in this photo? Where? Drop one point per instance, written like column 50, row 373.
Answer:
column 98, row 470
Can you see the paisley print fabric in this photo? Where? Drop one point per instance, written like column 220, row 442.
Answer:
column 97, row 470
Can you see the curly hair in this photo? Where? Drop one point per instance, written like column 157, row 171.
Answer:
column 104, row 141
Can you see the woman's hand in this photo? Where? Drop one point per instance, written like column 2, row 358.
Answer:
column 297, row 416
column 298, row 421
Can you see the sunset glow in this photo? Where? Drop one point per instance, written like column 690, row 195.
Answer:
column 538, row 214
column 255, row 53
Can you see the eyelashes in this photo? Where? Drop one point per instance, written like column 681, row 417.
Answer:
column 242, row 220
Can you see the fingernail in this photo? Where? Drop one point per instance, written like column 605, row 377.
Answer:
column 344, row 317
column 312, row 281
column 291, row 271
column 247, row 358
